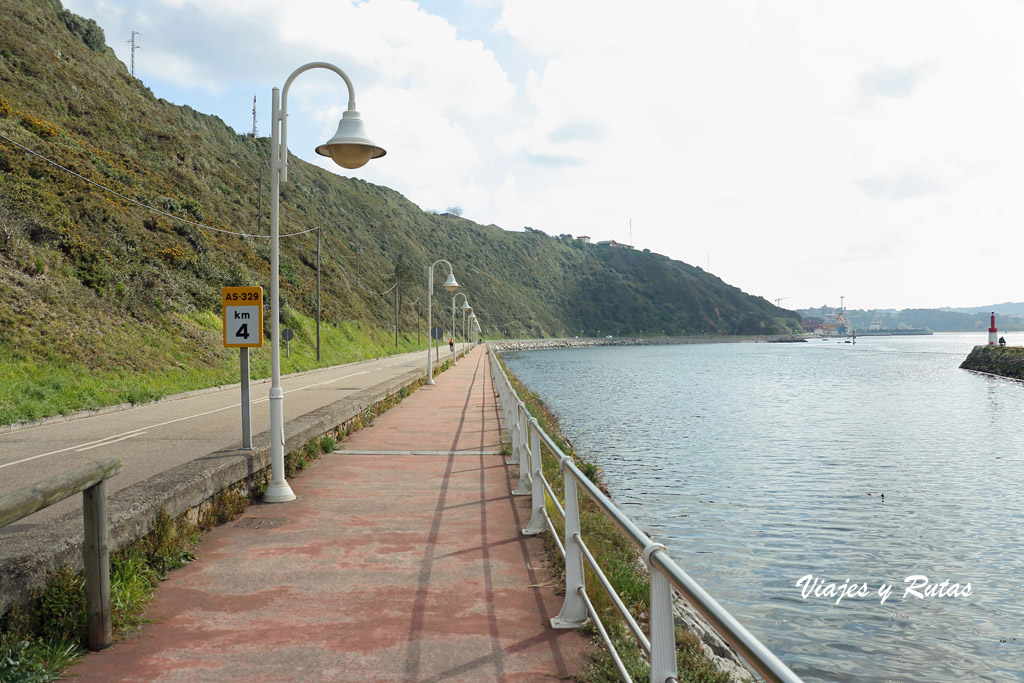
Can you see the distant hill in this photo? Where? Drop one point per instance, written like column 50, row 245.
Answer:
column 934, row 319
column 999, row 309
column 78, row 264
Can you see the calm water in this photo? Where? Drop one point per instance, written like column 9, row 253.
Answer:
column 758, row 464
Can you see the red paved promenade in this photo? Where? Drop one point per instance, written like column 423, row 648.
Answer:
column 401, row 560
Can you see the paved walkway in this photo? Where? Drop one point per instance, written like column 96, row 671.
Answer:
column 401, row 559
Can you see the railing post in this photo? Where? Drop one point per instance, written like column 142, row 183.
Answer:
column 526, row 464
column 96, row 556
column 574, row 610
column 662, row 625
column 538, row 502
column 517, row 434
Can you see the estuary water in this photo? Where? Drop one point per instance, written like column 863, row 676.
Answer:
column 774, row 470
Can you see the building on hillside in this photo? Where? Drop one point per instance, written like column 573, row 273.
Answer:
column 584, row 238
column 613, row 243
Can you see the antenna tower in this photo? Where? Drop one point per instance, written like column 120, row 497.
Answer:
column 254, row 115
column 134, row 48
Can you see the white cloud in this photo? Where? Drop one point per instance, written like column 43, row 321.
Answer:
column 800, row 144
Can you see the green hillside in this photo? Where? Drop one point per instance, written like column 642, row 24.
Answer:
column 92, row 284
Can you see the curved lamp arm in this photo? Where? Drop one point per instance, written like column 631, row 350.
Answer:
column 280, row 123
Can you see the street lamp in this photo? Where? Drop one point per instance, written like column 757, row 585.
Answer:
column 350, row 148
column 451, row 285
column 465, row 306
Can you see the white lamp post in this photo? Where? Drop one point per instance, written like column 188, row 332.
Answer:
column 451, row 285
column 466, row 308
column 465, row 305
column 350, row 148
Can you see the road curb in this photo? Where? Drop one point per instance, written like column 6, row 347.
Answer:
column 29, row 557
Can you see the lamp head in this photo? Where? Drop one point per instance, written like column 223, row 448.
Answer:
column 350, row 148
column 450, row 284
column 466, row 306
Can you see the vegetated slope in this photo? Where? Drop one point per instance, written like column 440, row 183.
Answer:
column 79, row 266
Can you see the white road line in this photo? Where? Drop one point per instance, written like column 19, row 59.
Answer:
column 107, row 443
column 78, row 448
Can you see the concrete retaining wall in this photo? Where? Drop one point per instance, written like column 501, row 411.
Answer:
column 27, row 559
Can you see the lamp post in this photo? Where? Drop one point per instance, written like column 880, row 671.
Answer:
column 349, row 148
column 465, row 305
column 466, row 308
column 451, row 285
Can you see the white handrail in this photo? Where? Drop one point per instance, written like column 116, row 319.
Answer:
column 664, row 570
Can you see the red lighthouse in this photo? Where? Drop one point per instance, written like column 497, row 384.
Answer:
column 992, row 334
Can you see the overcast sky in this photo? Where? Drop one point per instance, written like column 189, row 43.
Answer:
column 801, row 150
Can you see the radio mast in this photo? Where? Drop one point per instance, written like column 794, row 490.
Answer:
column 134, row 48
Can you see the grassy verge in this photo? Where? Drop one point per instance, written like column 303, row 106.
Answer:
column 620, row 562
column 32, row 388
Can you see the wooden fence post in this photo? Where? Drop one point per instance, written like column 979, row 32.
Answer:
column 96, row 556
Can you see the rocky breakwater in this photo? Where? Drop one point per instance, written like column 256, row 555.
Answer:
column 540, row 344
column 1005, row 361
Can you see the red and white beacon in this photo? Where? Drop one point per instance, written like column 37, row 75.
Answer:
column 993, row 336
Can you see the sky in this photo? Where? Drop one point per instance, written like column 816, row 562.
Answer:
column 801, row 150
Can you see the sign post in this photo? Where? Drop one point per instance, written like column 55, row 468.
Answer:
column 243, row 329
column 287, row 334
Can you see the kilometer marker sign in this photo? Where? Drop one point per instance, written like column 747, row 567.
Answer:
column 243, row 316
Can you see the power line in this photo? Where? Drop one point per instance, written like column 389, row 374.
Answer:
column 137, row 202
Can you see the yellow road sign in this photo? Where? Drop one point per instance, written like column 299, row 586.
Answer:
column 243, row 316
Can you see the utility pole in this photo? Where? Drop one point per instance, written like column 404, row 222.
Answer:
column 259, row 207
column 134, row 48
column 318, row 230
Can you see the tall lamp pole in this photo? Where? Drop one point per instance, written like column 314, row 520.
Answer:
column 465, row 304
column 451, row 285
column 349, row 148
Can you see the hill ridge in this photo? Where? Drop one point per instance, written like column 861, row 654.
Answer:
column 76, row 263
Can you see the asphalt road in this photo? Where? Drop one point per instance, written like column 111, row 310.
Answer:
column 158, row 436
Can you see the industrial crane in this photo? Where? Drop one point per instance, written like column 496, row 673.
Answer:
column 780, row 299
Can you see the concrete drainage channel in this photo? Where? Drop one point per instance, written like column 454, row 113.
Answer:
column 29, row 558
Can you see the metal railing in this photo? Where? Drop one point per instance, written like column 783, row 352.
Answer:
column 660, row 647
column 90, row 481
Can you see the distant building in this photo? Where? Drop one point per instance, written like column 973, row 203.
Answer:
column 613, row 243
column 584, row 238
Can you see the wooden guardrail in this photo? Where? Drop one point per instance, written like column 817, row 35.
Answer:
column 90, row 481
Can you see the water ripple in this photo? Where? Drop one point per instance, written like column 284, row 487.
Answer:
column 759, row 464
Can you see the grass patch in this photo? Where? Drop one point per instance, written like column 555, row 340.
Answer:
column 620, row 561
column 39, row 641
column 31, row 389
